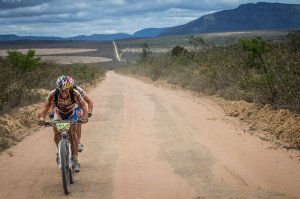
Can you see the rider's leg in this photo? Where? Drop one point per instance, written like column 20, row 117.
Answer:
column 56, row 135
column 56, row 117
column 73, row 135
column 74, row 143
column 78, row 133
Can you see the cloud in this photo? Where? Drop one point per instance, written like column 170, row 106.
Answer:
column 70, row 18
column 13, row 4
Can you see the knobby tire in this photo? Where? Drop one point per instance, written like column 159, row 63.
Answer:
column 65, row 171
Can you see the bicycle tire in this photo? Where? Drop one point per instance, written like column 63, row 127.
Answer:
column 71, row 172
column 65, row 173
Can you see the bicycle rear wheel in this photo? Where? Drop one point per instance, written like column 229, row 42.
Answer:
column 65, row 171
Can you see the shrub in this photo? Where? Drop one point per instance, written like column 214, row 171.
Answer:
column 196, row 41
column 145, row 52
column 294, row 40
column 23, row 62
column 4, row 144
column 178, row 51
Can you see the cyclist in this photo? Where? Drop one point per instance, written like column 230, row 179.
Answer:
column 65, row 100
column 78, row 110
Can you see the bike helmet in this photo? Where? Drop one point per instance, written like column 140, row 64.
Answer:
column 71, row 80
column 63, row 82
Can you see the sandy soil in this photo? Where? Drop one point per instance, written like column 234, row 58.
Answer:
column 41, row 52
column 51, row 51
column 150, row 142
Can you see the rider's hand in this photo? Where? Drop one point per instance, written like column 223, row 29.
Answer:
column 84, row 119
column 51, row 115
column 41, row 122
column 90, row 114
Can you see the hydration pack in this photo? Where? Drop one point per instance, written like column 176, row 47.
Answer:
column 64, row 107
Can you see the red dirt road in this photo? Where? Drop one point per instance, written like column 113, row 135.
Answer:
column 148, row 142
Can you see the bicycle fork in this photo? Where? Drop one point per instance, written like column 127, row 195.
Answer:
column 70, row 162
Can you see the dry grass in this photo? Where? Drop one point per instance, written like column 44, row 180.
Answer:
column 50, row 51
column 75, row 59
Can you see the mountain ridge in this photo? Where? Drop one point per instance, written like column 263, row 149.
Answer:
column 246, row 17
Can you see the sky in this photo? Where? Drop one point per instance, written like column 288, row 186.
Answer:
column 66, row 18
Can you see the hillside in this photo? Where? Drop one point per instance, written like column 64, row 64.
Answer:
column 148, row 32
column 259, row 16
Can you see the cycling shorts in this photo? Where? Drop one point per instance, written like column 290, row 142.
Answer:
column 78, row 111
column 70, row 116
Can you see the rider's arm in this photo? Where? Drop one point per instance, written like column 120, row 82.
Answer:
column 85, row 98
column 89, row 102
column 80, row 102
column 47, row 105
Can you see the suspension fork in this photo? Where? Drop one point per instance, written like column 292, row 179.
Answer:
column 70, row 162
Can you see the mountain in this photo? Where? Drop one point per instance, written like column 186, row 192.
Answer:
column 100, row 37
column 246, row 17
column 149, row 32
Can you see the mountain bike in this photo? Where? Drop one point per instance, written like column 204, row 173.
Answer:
column 65, row 158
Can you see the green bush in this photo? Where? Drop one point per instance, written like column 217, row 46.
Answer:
column 22, row 62
column 178, row 51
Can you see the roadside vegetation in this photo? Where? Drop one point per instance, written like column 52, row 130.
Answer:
column 252, row 69
column 26, row 80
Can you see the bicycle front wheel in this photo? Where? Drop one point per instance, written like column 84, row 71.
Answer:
column 65, row 171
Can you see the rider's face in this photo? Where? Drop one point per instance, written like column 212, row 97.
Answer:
column 64, row 93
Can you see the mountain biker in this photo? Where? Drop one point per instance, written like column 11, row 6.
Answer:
column 79, row 111
column 65, row 100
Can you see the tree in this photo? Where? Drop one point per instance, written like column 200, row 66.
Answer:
column 294, row 40
column 196, row 41
column 255, row 48
column 145, row 51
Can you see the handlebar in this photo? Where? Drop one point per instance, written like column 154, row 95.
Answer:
column 53, row 123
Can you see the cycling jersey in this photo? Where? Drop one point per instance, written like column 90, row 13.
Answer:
column 80, row 90
column 64, row 105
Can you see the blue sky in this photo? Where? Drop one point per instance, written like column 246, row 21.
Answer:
column 85, row 17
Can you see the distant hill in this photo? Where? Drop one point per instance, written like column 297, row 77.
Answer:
column 100, row 37
column 149, row 32
column 15, row 37
column 259, row 16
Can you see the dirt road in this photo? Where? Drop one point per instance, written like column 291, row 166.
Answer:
column 150, row 142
